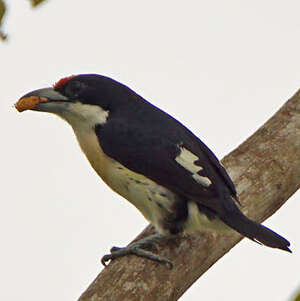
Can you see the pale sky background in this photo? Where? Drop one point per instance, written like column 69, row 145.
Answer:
column 220, row 67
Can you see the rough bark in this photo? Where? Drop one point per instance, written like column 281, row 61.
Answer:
column 266, row 172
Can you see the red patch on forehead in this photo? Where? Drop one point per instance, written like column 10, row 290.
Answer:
column 62, row 82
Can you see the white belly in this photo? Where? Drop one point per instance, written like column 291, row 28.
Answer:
column 152, row 200
column 197, row 221
column 147, row 196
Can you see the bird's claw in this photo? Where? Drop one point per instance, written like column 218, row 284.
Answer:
column 105, row 258
column 114, row 249
column 134, row 250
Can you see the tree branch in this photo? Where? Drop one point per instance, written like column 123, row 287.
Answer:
column 266, row 172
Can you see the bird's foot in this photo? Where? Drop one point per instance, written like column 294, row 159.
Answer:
column 137, row 248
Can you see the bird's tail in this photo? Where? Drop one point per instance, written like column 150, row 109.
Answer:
column 235, row 219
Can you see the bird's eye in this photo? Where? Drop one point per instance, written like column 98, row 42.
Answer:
column 74, row 88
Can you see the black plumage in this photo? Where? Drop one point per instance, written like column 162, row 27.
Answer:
column 147, row 141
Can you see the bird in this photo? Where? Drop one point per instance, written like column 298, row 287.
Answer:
column 150, row 159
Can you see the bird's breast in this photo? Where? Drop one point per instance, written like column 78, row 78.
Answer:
column 154, row 201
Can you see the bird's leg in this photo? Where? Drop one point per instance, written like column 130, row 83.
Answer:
column 137, row 248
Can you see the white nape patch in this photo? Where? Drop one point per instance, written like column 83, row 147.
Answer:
column 83, row 115
column 204, row 181
column 187, row 160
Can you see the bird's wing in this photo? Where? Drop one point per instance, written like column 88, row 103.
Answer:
column 179, row 161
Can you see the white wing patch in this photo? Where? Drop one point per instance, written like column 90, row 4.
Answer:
column 204, row 181
column 187, row 160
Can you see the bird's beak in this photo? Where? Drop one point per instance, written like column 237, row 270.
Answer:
column 44, row 100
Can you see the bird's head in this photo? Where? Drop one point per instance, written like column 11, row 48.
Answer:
column 77, row 97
